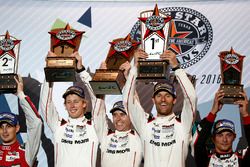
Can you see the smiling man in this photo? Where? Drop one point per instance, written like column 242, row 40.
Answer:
column 122, row 145
column 13, row 153
column 223, row 137
column 165, row 137
column 75, row 138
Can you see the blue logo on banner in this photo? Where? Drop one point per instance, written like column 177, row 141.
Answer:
column 85, row 19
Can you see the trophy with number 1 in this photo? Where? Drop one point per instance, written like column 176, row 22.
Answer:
column 155, row 31
column 9, row 54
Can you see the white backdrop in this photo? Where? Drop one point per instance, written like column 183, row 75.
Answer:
column 31, row 21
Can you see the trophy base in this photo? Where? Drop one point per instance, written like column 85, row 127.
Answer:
column 60, row 74
column 108, row 82
column 8, row 83
column 153, row 70
column 231, row 93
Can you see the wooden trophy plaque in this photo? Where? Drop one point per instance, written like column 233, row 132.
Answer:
column 62, row 67
column 9, row 55
column 231, row 73
column 112, row 80
column 155, row 31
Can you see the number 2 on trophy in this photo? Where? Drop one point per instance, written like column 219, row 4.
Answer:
column 5, row 62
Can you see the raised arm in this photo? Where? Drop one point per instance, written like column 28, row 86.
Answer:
column 46, row 105
column 189, row 103
column 130, row 98
column 98, row 104
column 204, row 132
column 33, row 122
column 243, row 108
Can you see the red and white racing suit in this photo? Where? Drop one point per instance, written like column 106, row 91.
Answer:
column 165, row 139
column 16, row 155
column 205, row 157
column 75, row 140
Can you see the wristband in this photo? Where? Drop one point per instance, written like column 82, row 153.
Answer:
column 176, row 68
column 80, row 70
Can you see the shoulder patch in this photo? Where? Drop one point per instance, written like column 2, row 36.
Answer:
column 22, row 146
column 63, row 122
column 88, row 115
column 178, row 118
column 239, row 153
column 110, row 131
column 150, row 118
column 132, row 132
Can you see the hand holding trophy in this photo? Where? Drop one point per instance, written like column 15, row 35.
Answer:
column 60, row 65
column 9, row 55
column 111, row 80
column 154, row 30
column 231, row 73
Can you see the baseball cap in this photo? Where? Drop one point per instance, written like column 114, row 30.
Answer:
column 74, row 90
column 9, row 118
column 118, row 106
column 223, row 125
column 164, row 87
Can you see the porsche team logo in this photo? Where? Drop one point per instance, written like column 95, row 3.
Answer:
column 190, row 34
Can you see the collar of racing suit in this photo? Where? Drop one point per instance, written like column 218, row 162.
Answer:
column 164, row 119
column 77, row 120
column 224, row 156
column 11, row 147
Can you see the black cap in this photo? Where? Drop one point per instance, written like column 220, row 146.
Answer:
column 164, row 87
column 118, row 106
column 223, row 125
column 74, row 90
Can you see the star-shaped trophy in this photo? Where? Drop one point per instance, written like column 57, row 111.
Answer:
column 112, row 80
column 231, row 74
column 155, row 32
column 9, row 55
column 64, row 42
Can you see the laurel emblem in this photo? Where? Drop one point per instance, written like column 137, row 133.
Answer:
column 122, row 46
column 6, row 44
column 155, row 23
column 66, row 35
column 231, row 59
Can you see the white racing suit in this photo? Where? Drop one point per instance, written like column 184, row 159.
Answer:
column 117, row 147
column 75, row 140
column 165, row 139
